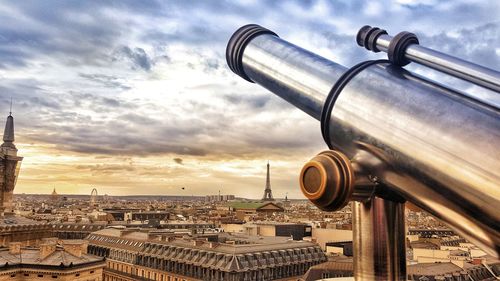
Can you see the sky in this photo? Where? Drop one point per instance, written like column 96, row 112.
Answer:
column 134, row 97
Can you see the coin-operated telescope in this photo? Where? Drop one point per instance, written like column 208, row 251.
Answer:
column 393, row 137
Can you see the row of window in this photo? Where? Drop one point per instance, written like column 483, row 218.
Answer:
column 41, row 275
column 139, row 272
column 115, row 240
column 197, row 272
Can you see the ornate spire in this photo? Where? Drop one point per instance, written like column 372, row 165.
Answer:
column 8, row 134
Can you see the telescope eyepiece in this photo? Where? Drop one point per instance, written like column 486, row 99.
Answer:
column 327, row 180
column 237, row 44
column 367, row 37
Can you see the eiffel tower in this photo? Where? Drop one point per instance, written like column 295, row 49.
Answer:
column 268, row 194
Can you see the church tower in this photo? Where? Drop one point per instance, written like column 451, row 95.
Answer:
column 10, row 164
column 268, row 194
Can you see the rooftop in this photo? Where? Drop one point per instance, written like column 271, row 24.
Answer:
column 10, row 219
column 32, row 256
column 433, row 268
column 246, row 205
column 231, row 253
column 226, row 242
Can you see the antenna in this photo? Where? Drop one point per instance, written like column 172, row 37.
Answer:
column 10, row 112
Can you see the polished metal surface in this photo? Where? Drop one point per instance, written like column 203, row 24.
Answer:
column 379, row 249
column 330, row 179
column 425, row 143
column 465, row 70
column 296, row 75
column 439, row 147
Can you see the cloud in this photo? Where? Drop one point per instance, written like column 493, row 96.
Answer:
column 137, row 57
column 108, row 81
column 135, row 79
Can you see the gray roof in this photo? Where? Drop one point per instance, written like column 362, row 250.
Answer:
column 244, row 243
column 13, row 220
column 32, row 256
column 244, row 253
column 433, row 268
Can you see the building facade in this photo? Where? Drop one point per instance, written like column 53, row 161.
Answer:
column 139, row 255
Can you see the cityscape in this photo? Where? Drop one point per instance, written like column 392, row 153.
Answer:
column 211, row 237
column 250, row 140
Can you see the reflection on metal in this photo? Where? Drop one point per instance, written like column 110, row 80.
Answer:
column 405, row 138
column 379, row 240
column 330, row 180
column 302, row 79
column 440, row 148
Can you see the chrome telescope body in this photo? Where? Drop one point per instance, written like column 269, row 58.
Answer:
column 394, row 137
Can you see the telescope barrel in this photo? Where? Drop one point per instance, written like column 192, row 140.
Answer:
column 298, row 76
column 412, row 51
column 433, row 146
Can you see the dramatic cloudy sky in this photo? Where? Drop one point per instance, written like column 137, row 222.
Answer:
column 134, row 97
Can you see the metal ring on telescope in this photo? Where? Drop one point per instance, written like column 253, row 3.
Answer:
column 398, row 45
column 326, row 112
column 327, row 180
column 237, row 44
column 367, row 37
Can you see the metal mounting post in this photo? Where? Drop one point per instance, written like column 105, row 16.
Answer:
column 379, row 248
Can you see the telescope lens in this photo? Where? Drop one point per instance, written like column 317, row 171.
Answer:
column 327, row 180
column 312, row 180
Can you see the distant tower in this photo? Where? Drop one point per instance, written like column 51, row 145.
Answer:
column 286, row 203
column 54, row 197
column 93, row 196
column 268, row 194
column 10, row 164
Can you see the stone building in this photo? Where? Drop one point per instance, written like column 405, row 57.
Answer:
column 244, row 210
column 298, row 231
column 26, row 231
column 445, row 271
column 9, row 167
column 50, row 261
column 335, row 267
column 74, row 231
column 140, row 255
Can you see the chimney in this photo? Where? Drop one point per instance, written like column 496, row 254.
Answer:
column 50, row 240
column 15, row 248
column 46, row 249
column 154, row 236
column 198, row 242
column 126, row 231
column 75, row 247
